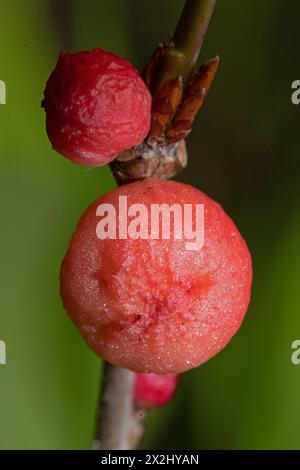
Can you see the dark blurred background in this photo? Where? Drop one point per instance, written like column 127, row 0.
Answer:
column 244, row 152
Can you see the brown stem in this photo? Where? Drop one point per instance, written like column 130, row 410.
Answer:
column 150, row 160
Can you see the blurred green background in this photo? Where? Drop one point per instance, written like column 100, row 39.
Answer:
column 244, row 152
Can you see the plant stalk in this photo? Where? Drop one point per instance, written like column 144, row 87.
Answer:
column 120, row 424
column 181, row 54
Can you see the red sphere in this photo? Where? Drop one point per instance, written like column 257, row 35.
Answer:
column 152, row 390
column 152, row 305
column 96, row 106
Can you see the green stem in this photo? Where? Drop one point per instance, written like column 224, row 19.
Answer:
column 182, row 52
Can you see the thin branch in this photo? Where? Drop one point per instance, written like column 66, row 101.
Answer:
column 181, row 54
column 120, row 425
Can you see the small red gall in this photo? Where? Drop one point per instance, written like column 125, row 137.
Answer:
column 96, row 106
column 154, row 390
column 150, row 304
